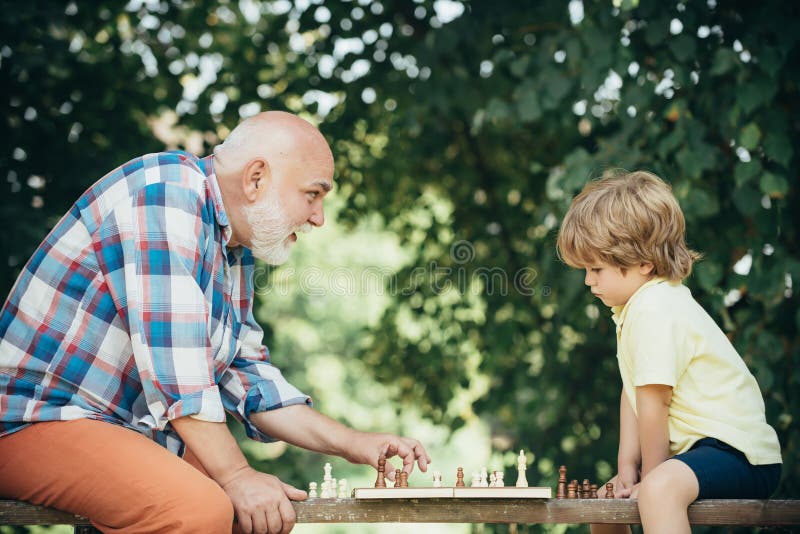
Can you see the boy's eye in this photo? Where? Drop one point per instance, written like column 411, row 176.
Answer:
column 596, row 269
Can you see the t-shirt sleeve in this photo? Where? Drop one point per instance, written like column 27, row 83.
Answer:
column 657, row 341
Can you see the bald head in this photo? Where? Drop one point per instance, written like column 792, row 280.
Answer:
column 272, row 135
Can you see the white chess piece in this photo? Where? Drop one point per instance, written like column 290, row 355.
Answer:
column 498, row 480
column 328, row 489
column 484, row 478
column 312, row 490
column 437, row 479
column 342, row 489
column 492, row 479
column 476, row 479
column 522, row 482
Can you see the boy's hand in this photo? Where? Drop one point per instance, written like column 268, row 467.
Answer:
column 627, row 493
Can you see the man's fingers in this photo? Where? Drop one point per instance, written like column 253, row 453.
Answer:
column 293, row 493
column 287, row 515
column 274, row 521
column 245, row 523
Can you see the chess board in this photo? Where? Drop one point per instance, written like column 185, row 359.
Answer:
column 468, row 492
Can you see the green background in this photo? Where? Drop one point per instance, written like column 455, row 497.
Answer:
column 433, row 303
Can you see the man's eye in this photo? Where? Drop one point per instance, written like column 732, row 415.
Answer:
column 313, row 194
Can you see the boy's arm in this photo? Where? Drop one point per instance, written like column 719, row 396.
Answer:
column 653, row 402
column 629, row 458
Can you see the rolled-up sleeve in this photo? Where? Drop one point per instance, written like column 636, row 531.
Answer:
column 252, row 384
column 163, row 235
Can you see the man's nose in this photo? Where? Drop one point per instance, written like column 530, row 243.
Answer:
column 318, row 217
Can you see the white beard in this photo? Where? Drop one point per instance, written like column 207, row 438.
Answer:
column 271, row 228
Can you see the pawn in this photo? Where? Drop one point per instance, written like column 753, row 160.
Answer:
column 403, row 479
column 342, row 489
column 312, row 490
column 585, row 489
column 593, row 491
column 397, row 478
column 498, row 481
column 484, row 478
column 380, row 482
column 572, row 492
column 460, row 478
column 476, row 479
column 609, row 491
column 437, row 479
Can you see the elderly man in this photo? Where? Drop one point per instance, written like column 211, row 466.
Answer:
column 130, row 333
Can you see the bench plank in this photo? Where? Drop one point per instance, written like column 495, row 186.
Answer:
column 526, row 511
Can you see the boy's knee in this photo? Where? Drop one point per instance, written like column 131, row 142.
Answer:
column 670, row 482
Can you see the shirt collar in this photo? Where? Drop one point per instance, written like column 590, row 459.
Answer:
column 620, row 312
column 206, row 164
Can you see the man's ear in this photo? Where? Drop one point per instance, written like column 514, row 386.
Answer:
column 646, row 269
column 255, row 177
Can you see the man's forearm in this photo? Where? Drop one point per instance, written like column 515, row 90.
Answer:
column 304, row 427
column 213, row 445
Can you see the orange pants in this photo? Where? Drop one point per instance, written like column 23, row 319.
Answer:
column 118, row 478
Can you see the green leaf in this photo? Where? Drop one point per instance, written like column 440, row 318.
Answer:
column 669, row 143
column 778, row 148
column 528, row 107
column 519, row 66
column 724, row 60
column 750, row 136
column 774, row 185
column 656, row 31
column 709, row 274
column 683, row 47
column 690, row 165
column 744, row 172
column 756, row 93
column 747, row 200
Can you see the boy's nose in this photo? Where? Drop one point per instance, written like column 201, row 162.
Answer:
column 588, row 280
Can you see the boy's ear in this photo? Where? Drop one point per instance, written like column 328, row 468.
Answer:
column 646, row 268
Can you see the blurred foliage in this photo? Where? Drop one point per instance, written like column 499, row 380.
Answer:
column 467, row 127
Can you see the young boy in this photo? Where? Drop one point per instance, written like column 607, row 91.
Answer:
column 692, row 421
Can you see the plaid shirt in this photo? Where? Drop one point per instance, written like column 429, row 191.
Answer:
column 134, row 311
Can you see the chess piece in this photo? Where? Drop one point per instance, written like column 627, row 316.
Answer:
column 380, row 482
column 498, row 482
column 460, row 478
column 561, row 492
column 397, row 478
column 327, row 491
column 609, row 491
column 437, row 479
column 585, row 489
column 522, row 482
column 484, row 478
column 403, row 479
column 492, row 479
column 342, row 489
column 571, row 491
column 312, row 490
column 476, row 479
column 593, row 491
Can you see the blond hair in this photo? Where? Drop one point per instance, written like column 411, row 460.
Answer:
column 627, row 220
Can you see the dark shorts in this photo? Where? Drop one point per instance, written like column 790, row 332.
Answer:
column 724, row 472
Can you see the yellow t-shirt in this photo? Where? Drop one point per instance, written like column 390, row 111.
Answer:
column 665, row 337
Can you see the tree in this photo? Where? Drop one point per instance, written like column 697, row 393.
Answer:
column 468, row 127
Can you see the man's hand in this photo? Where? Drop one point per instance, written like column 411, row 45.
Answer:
column 261, row 501
column 304, row 427
column 367, row 447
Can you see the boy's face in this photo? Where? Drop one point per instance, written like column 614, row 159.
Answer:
column 612, row 286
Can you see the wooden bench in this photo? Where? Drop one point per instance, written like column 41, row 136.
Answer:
column 524, row 511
